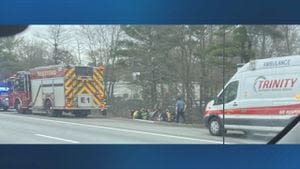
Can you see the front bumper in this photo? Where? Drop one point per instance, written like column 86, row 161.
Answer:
column 205, row 120
column 3, row 105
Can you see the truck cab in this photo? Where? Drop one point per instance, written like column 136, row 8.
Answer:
column 20, row 97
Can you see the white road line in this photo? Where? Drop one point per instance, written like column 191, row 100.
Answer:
column 57, row 138
column 147, row 121
column 123, row 130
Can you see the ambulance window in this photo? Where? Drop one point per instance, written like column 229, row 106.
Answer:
column 230, row 93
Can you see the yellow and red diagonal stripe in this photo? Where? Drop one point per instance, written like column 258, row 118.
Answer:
column 69, row 79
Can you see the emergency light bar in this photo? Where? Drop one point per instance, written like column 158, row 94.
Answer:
column 4, row 89
column 252, row 65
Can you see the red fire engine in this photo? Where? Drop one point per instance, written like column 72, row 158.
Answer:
column 59, row 88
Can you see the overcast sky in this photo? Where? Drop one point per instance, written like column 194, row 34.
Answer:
column 32, row 32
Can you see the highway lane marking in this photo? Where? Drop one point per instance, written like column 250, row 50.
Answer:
column 57, row 138
column 124, row 130
column 147, row 121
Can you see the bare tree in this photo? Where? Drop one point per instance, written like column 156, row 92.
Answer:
column 32, row 54
column 58, row 39
column 101, row 44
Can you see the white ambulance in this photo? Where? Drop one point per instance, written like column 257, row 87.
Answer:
column 264, row 95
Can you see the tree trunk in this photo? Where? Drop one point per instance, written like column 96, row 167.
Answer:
column 286, row 35
column 263, row 46
column 112, row 91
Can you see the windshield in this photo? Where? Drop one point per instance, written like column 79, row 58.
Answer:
column 19, row 84
column 229, row 94
column 150, row 84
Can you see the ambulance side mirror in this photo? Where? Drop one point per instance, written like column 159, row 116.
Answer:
column 215, row 100
column 218, row 100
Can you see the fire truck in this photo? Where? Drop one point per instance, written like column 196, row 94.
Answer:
column 4, row 90
column 59, row 88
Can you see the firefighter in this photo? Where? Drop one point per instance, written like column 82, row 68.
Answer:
column 180, row 108
column 169, row 115
column 144, row 114
column 136, row 114
column 130, row 115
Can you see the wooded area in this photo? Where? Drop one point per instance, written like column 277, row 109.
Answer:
column 170, row 59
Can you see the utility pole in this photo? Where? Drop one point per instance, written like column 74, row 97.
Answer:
column 223, row 116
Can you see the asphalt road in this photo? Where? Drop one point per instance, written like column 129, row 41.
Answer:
column 39, row 129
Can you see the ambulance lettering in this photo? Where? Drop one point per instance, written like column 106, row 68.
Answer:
column 264, row 84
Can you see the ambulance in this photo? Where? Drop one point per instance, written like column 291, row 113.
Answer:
column 262, row 96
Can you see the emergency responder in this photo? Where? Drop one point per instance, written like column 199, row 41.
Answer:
column 180, row 108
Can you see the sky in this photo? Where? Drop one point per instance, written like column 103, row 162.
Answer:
column 33, row 32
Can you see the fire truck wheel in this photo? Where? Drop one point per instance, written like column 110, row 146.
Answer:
column 19, row 107
column 215, row 126
column 5, row 108
column 49, row 110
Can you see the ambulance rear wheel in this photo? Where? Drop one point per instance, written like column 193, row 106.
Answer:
column 215, row 126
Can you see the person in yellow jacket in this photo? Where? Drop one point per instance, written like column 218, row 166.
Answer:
column 136, row 114
column 169, row 115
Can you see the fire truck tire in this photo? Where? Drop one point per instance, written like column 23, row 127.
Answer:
column 49, row 111
column 19, row 108
column 5, row 108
